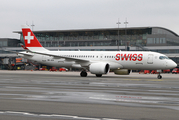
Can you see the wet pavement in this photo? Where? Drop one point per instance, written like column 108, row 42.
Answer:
column 66, row 95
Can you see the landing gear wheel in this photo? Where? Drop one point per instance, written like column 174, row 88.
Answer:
column 83, row 74
column 159, row 77
column 98, row 75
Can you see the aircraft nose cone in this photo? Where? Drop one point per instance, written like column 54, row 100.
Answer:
column 173, row 64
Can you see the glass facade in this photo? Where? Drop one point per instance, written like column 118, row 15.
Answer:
column 162, row 37
column 7, row 42
column 145, row 36
column 95, row 37
column 138, row 37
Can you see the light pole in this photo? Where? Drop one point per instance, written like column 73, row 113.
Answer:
column 32, row 25
column 126, row 29
column 118, row 33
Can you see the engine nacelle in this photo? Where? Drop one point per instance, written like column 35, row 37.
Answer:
column 122, row 72
column 99, row 68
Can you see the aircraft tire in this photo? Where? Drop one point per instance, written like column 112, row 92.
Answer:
column 159, row 77
column 83, row 74
column 98, row 75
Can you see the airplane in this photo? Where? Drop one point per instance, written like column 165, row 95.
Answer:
column 97, row 62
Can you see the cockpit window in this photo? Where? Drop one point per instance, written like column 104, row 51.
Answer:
column 163, row 57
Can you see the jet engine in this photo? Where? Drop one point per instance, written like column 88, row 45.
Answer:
column 122, row 72
column 99, row 68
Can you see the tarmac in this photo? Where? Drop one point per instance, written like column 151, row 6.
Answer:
column 48, row 95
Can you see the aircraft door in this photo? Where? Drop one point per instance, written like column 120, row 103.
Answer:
column 43, row 58
column 150, row 59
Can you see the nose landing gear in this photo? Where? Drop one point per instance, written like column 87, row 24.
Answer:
column 159, row 76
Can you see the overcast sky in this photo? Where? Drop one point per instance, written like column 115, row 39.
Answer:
column 86, row 14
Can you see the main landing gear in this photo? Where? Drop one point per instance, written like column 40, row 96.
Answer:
column 98, row 75
column 83, row 73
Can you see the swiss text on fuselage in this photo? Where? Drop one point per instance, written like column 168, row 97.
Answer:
column 129, row 57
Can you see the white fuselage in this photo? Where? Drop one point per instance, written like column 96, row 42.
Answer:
column 116, row 59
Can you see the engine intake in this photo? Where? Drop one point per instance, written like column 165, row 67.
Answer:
column 99, row 68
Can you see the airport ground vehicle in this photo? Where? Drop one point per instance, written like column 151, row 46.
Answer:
column 144, row 72
column 163, row 71
column 63, row 69
column 53, row 69
column 175, row 71
column 154, row 72
column 42, row 69
column 166, row 71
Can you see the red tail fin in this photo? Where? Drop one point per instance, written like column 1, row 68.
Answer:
column 29, row 38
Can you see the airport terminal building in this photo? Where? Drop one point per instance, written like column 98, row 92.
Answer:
column 107, row 39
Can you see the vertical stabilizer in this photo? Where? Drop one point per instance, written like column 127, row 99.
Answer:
column 31, row 42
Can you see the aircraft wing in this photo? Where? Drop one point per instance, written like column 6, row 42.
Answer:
column 4, row 49
column 22, row 53
column 55, row 56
